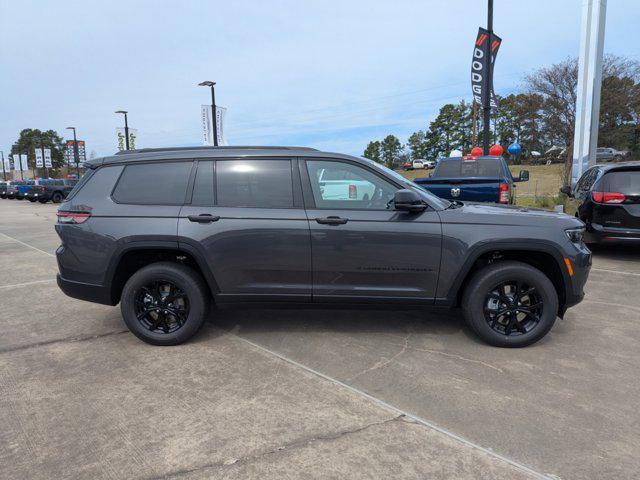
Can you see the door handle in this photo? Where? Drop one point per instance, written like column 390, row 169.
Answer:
column 332, row 220
column 203, row 218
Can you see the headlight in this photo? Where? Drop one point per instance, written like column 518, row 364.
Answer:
column 575, row 234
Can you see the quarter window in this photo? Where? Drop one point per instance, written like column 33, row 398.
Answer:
column 341, row 185
column 153, row 183
column 254, row 183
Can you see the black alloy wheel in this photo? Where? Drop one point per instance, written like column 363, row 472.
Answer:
column 161, row 307
column 513, row 308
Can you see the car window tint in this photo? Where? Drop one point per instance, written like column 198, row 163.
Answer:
column 627, row 182
column 203, row 185
column 482, row 167
column 254, row 183
column 341, row 185
column 153, row 183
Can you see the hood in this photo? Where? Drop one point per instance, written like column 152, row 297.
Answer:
column 492, row 213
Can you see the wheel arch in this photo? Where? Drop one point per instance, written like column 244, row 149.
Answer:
column 133, row 257
column 539, row 254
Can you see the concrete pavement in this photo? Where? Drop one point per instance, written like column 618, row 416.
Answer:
column 319, row 394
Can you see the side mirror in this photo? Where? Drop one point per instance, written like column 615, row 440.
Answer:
column 567, row 191
column 524, row 175
column 408, row 200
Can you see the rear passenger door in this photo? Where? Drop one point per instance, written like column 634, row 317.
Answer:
column 246, row 219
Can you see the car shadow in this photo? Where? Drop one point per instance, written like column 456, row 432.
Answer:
column 255, row 321
column 615, row 252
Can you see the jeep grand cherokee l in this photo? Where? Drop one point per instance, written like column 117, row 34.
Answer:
column 164, row 232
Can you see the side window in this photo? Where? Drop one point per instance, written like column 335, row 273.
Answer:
column 153, row 183
column 341, row 185
column 254, row 183
column 203, row 185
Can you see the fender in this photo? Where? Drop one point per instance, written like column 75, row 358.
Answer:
column 486, row 246
column 128, row 245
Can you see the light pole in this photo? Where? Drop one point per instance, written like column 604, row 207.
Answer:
column 214, row 120
column 126, row 128
column 75, row 150
column 486, row 88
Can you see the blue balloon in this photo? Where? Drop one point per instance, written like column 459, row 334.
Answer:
column 515, row 148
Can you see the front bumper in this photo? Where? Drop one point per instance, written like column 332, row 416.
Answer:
column 581, row 264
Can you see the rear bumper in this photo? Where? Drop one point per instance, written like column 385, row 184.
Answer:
column 85, row 291
column 600, row 234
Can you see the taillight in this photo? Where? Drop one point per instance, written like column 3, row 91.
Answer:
column 353, row 191
column 608, row 197
column 504, row 193
column 73, row 217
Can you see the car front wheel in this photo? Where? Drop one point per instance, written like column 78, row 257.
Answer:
column 165, row 303
column 510, row 304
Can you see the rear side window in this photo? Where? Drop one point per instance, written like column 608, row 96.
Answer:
column 203, row 185
column 153, row 184
column 254, row 183
column 627, row 182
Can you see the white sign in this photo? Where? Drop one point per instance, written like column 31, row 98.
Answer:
column 133, row 137
column 16, row 161
column 39, row 158
column 207, row 125
column 24, row 162
column 47, row 158
column 7, row 164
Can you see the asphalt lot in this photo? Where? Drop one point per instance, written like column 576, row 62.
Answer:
column 309, row 394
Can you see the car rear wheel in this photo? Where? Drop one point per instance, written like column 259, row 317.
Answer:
column 510, row 304
column 165, row 303
column 56, row 197
column 43, row 200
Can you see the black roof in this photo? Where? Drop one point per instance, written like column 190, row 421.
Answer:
column 606, row 167
column 254, row 152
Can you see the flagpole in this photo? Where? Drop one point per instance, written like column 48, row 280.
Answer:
column 487, row 84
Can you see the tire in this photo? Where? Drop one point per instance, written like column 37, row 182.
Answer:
column 196, row 303
column 481, row 306
column 43, row 200
column 56, row 197
column 32, row 200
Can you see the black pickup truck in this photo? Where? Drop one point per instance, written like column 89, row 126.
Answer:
column 46, row 189
column 475, row 179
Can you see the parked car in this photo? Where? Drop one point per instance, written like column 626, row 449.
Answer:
column 607, row 199
column 3, row 189
column 23, row 189
column 12, row 189
column 52, row 189
column 165, row 231
column 344, row 186
column 429, row 163
column 477, row 179
column 607, row 154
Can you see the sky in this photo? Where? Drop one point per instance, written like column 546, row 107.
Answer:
column 327, row 74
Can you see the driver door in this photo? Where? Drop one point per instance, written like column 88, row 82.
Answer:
column 363, row 249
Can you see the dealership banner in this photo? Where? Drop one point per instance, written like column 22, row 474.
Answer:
column 207, row 125
column 121, row 138
column 24, row 162
column 69, row 153
column 47, row 158
column 7, row 164
column 39, row 158
column 482, row 52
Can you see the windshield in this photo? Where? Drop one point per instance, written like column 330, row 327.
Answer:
column 442, row 203
column 465, row 168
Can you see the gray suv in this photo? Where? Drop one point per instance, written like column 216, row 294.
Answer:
column 165, row 232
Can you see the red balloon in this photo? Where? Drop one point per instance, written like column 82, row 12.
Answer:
column 496, row 150
column 476, row 152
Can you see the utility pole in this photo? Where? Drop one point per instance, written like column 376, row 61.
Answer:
column 4, row 172
column 214, row 119
column 126, row 128
column 487, row 84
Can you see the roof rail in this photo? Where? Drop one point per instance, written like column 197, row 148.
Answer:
column 178, row 149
